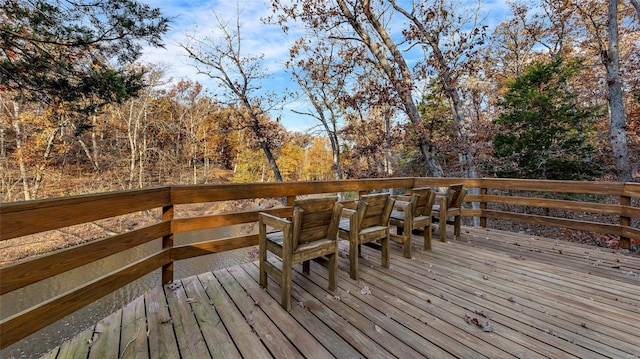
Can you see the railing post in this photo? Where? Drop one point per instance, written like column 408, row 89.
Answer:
column 167, row 243
column 625, row 242
column 483, row 207
column 290, row 200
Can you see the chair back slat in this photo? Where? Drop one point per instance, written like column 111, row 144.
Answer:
column 315, row 218
column 455, row 195
column 422, row 203
column 374, row 210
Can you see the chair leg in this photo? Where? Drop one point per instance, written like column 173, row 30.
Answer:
column 385, row 251
column 353, row 258
column 306, row 265
column 406, row 244
column 286, row 285
column 262, row 254
column 456, row 226
column 333, row 271
column 427, row 238
column 443, row 228
column 406, row 248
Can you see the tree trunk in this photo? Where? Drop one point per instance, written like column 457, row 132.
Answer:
column 618, row 133
column 21, row 162
column 403, row 85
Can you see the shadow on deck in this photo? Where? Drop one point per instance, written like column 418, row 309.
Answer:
column 488, row 294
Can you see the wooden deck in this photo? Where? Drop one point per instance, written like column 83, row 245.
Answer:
column 489, row 294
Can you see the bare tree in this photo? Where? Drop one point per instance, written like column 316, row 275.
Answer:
column 322, row 80
column 222, row 59
column 603, row 24
column 358, row 23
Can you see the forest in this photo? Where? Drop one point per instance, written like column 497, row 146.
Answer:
column 552, row 92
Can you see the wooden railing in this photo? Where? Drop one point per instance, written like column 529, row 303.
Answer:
column 26, row 218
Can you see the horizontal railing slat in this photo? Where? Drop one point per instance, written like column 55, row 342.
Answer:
column 22, row 219
column 555, row 222
column 216, row 246
column 590, row 207
column 28, row 272
column 225, row 219
column 31, row 320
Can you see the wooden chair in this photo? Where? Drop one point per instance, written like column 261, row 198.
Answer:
column 312, row 233
column 411, row 213
column 368, row 223
column 449, row 206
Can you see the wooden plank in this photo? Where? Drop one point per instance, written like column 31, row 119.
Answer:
column 412, row 290
column 362, row 318
column 133, row 336
column 245, row 339
column 590, row 207
column 219, row 245
column 526, row 279
column 161, row 337
column 336, row 332
column 24, row 218
column 530, row 329
column 228, row 192
column 631, row 189
column 224, row 219
column 28, row 272
column 390, row 306
column 185, row 326
column 78, row 346
column 277, row 343
column 314, row 318
column 29, row 321
column 106, row 337
column 446, row 321
column 299, row 335
column 218, row 340
column 554, row 324
column 553, row 221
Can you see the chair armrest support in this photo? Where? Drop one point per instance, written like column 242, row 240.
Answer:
column 273, row 221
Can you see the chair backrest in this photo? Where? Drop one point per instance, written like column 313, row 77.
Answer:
column 315, row 218
column 374, row 210
column 422, row 202
column 455, row 195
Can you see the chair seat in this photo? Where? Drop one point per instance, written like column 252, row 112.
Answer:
column 398, row 215
column 275, row 243
column 344, row 225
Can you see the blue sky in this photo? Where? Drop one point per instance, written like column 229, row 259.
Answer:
column 196, row 18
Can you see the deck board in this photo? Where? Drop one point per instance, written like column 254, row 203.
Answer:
column 535, row 298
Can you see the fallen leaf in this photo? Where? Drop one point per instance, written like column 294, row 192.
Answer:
column 365, row 291
column 487, row 328
column 250, row 320
column 378, row 329
column 191, row 300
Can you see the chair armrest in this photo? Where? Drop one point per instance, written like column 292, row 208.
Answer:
column 273, row 221
column 348, row 213
column 401, row 205
column 402, row 197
